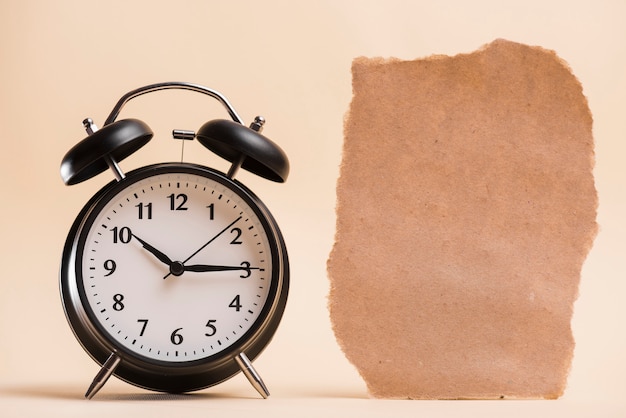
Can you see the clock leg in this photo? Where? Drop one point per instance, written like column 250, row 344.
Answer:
column 103, row 375
column 253, row 377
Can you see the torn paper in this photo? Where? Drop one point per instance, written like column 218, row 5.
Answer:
column 465, row 209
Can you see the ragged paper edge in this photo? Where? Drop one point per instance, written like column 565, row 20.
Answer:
column 363, row 61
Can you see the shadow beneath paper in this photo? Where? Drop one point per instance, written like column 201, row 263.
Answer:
column 330, row 393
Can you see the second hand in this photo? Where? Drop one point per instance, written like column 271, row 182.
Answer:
column 204, row 246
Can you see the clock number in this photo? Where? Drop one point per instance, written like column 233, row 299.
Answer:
column 109, row 266
column 237, row 233
column 211, row 327
column 176, row 338
column 143, row 327
column 118, row 305
column 173, row 198
column 211, row 208
column 245, row 266
column 123, row 235
column 236, row 303
column 148, row 212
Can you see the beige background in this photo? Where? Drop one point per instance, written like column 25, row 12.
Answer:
column 289, row 61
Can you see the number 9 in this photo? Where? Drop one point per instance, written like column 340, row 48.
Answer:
column 109, row 266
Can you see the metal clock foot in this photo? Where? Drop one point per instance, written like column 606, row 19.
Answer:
column 252, row 375
column 103, row 375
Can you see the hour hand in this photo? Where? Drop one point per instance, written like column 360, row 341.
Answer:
column 158, row 254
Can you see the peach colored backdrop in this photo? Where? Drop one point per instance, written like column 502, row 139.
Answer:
column 64, row 60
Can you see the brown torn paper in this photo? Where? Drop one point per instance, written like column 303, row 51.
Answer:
column 465, row 209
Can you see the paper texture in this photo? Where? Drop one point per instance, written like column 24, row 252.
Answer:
column 465, row 209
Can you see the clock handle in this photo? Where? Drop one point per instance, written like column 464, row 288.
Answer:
column 172, row 85
column 253, row 377
column 103, row 375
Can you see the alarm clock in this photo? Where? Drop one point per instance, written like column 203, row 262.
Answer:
column 174, row 276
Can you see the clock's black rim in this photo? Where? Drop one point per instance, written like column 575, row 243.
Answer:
column 156, row 374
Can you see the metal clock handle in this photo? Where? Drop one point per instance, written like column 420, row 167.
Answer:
column 110, row 160
column 172, row 85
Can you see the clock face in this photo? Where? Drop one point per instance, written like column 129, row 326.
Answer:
column 177, row 265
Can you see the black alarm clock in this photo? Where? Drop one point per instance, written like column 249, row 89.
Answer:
column 174, row 276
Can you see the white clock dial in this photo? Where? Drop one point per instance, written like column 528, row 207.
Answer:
column 176, row 267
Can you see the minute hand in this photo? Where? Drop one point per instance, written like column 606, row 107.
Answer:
column 201, row 268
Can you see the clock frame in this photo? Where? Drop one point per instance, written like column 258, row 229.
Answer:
column 245, row 148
